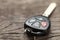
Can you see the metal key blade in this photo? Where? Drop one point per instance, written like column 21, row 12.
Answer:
column 49, row 9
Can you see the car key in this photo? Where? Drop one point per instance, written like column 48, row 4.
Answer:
column 39, row 25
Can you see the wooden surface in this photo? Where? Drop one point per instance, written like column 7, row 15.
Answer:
column 13, row 13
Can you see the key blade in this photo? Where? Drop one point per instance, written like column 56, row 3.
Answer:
column 49, row 10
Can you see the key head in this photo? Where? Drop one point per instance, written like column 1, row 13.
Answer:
column 37, row 25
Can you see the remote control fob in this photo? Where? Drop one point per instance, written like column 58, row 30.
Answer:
column 39, row 25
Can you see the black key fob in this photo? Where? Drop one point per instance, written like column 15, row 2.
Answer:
column 39, row 25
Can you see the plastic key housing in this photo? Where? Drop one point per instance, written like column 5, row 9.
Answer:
column 37, row 25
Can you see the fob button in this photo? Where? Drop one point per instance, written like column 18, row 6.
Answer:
column 32, row 20
column 36, row 24
column 44, row 24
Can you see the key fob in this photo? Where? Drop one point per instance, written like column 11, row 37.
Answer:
column 39, row 25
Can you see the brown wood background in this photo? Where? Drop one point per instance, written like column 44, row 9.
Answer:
column 13, row 13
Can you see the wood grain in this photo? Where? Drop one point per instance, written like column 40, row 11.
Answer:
column 13, row 13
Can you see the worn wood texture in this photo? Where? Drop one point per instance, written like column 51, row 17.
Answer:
column 13, row 13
